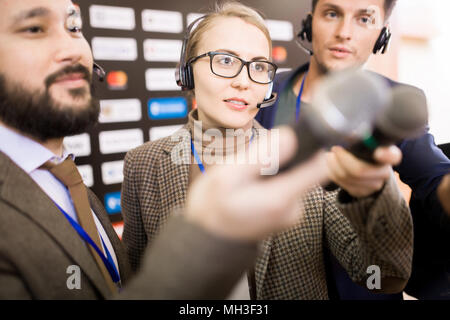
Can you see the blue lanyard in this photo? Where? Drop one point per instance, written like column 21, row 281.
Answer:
column 108, row 260
column 199, row 161
column 197, row 158
column 299, row 98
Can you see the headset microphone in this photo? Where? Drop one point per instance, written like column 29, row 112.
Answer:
column 269, row 99
column 99, row 71
column 267, row 102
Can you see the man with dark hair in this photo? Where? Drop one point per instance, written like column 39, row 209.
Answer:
column 344, row 33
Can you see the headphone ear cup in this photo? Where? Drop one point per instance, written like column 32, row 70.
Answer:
column 387, row 43
column 306, row 32
column 189, row 77
column 382, row 41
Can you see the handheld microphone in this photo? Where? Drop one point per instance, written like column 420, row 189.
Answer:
column 405, row 118
column 343, row 110
column 99, row 71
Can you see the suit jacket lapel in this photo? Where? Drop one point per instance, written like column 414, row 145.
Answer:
column 20, row 191
column 174, row 172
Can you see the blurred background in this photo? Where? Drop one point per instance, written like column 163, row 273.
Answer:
column 139, row 42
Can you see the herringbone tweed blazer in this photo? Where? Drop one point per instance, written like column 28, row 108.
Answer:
column 38, row 244
column 374, row 231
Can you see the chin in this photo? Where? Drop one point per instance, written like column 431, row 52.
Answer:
column 236, row 123
column 76, row 100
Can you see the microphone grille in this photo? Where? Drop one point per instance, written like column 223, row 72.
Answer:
column 407, row 115
column 348, row 102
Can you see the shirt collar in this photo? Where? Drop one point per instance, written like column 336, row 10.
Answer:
column 28, row 154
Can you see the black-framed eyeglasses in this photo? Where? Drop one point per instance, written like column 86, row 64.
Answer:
column 227, row 65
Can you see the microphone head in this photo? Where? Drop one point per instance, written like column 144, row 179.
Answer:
column 345, row 104
column 406, row 116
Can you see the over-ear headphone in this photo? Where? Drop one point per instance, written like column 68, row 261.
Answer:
column 382, row 43
column 306, row 32
column 184, row 74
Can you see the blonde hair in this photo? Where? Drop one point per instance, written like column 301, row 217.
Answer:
column 226, row 9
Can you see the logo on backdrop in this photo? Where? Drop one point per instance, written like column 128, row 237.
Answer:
column 121, row 110
column 108, row 17
column 119, row 141
column 167, row 108
column 112, row 202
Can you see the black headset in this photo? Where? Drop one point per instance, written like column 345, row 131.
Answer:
column 382, row 43
column 184, row 74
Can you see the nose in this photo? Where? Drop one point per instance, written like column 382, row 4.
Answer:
column 345, row 29
column 242, row 80
column 68, row 48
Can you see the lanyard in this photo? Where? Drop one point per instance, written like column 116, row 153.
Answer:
column 197, row 158
column 199, row 161
column 108, row 260
column 299, row 98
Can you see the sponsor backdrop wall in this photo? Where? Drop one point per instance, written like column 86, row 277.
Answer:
column 138, row 43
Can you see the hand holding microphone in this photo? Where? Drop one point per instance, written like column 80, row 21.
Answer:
column 363, row 169
column 358, row 177
column 357, row 110
column 343, row 111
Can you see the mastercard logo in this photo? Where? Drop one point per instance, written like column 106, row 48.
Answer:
column 194, row 104
column 117, row 80
column 279, row 54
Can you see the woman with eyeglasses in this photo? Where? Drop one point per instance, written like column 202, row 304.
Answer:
column 229, row 57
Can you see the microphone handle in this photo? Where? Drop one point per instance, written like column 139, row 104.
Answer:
column 364, row 150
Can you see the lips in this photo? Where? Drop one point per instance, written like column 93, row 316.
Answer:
column 71, row 77
column 236, row 103
column 340, row 49
column 340, row 52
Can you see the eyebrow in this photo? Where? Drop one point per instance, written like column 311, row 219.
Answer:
column 29, row 14
column 339, row 9
column 237, row 55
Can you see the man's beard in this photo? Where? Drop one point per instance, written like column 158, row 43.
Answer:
column 38, row 115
